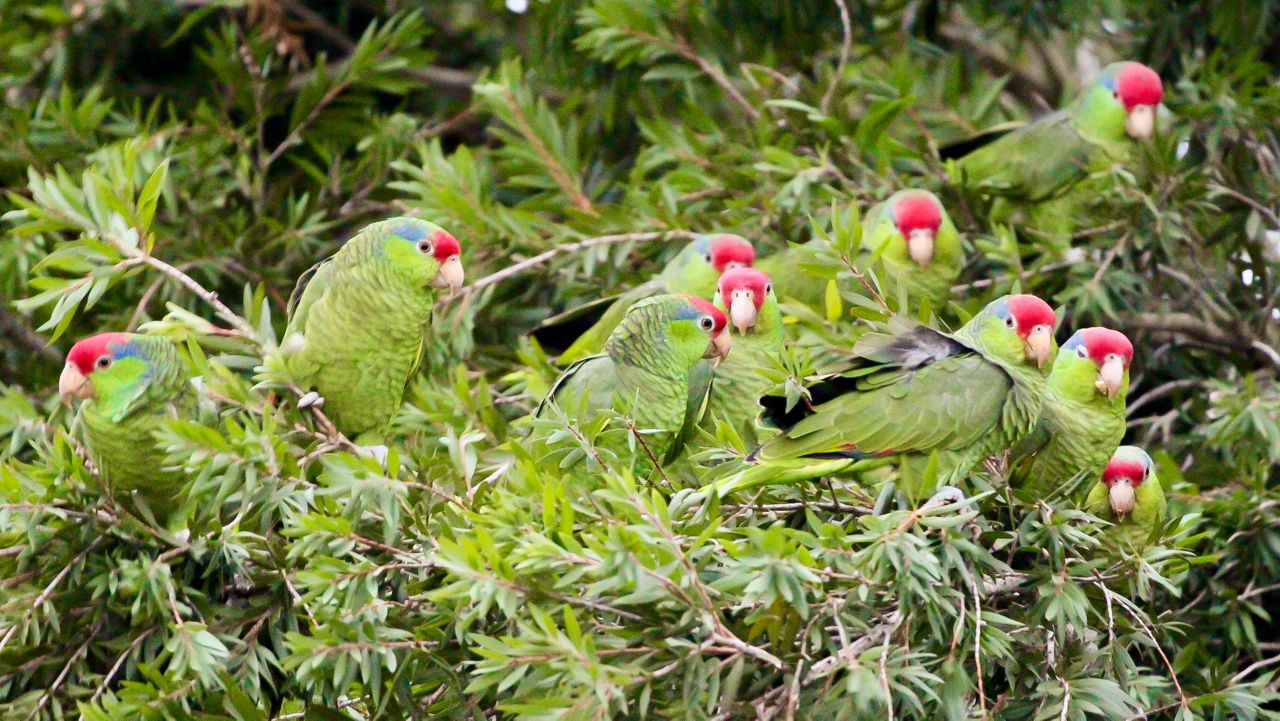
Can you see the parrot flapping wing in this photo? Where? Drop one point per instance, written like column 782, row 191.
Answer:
column 131, row 386
column 645, row 368
column 583, row 331
column 358, row 320
column 915, row 393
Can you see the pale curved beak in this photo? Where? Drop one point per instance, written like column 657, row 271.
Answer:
column 742, row 311
column 1110, row 376
column 1122, row 497
column 73, row 385
column 1038, row 345
column 718, row 348
column 450, row 275
column 920, row 246
column 1141, row 122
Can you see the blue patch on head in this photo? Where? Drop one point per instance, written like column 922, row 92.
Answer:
column 702, row 245
column 1000, row 308
column 411, row 232
column 131, row 350
column 1075, row 341
column 688, row 312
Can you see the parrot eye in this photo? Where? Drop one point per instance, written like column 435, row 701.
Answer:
column 103, row 362
column 706, row 323
column 1010, row 322
column 424, row 246
column 768, row 289
column 707, row 257
column 1082, row 352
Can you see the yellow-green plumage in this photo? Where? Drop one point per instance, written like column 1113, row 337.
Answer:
column 740, row 380
column 644, row 370
column 1132, row 530
column 360, row 319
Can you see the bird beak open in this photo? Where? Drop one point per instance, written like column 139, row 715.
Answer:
column 742, row 311
column 450, row 274
column 1141, row 122
column 1038, row 345
column 1110, row 376
column 920, row 246
column 73, row 384
column 718, row 348
column 1121, row 496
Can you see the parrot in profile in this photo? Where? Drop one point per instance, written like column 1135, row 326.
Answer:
column 1039, row 171
column 913, row 393
column 746, row 297
column 131, row 385
column 1129, row 495
column 645, row 368
column 1083, row 418
column 920, row 251
column 693, row 271
column 358, row 320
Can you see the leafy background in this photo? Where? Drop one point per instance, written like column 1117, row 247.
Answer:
column 177, row 165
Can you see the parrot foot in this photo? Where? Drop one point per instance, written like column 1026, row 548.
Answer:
column 311, row 399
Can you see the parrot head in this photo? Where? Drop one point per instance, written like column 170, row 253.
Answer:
column 1128, row 469
column 743, row 292
column 105, row 366
column 725, row 251
column 1018, row 327
column 1135, row 90
column 917, row 215
column 427, row 253
column 709, row 321
column 1099, row 355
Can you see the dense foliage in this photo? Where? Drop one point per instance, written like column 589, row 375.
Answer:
column 175, row 166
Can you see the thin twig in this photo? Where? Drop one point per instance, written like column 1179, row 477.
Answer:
column 846, row 45
column 48, row 590
column 567, row 183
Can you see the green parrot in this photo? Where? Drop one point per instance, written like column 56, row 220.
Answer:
column 1038, row 172
column 1130, row 496
column 746, row 297
column 645, row 367
column 913, row 393
column 693, row 271
column 1083, row 418
column 130, row 384
column 358, row 320
column 920, row 251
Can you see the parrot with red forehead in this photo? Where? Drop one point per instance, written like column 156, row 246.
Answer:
column 693, row 271
column 1129, row 495
column 914, row 393
column 918, row 246
column 746, row 297
column 644, row 369
column 1039, row 171
column 1083, row 418
column 130, row 386
column 358, row 320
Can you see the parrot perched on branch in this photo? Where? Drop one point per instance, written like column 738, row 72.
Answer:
column 1130, row 496
column 1040, row 170
column 1083, row 418
column 645, row 368
column 919, row 250
column 358, row 320
column 131, row 385
column 915, row 393
column 693, row 271
column 746, row 296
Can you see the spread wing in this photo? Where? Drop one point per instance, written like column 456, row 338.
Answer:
column 948, row 404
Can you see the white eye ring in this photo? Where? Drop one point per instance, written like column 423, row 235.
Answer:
column 1009, row 321
column 768, row 288
column 707, row 257
column 1082, row 352
column 706, row 322
column 103, row 362
column 424, row 246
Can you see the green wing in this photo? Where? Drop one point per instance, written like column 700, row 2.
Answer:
column 1033, row 163
column 701, row 379
column 949, row 404
column 590, row 377
column 311, row 286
